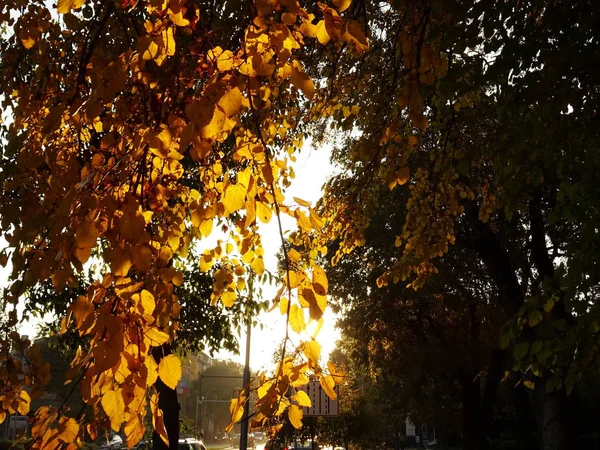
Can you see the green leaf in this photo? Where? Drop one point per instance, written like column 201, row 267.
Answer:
column 504, row 341
column 520, row 350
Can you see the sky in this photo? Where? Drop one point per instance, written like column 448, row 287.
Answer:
column 312, row 169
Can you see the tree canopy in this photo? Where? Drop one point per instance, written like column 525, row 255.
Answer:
column 132, row 129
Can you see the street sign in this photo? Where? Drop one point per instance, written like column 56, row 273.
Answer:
column 322, row 405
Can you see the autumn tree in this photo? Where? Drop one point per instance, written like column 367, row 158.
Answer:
column 130, row 130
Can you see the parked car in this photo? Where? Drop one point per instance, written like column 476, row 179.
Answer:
column 111, row 442
column 431, row 444
column 190, row 444
column 235, row 441
column 304, row 446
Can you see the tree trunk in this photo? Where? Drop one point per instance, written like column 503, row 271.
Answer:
column 168, row 403
column 471, row 412
column 526, row 422
column 554, row 420
column 553, row 436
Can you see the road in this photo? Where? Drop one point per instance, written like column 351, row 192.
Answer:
column 258, row 447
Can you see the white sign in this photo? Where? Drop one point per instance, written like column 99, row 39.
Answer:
column 322, row 405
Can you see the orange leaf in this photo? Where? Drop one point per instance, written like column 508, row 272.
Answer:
column 68, row 429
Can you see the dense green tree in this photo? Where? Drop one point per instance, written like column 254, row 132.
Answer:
column 483, row 113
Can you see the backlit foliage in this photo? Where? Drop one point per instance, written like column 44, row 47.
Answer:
column 128, row 134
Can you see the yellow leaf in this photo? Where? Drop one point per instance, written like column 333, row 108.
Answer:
column 328, row 386
column 169, row 370
column 263, row 212
column 315, row 220
column 297, row 318
column 303, row 82
column 169, row 41
column 160, row 142
column 302, row 399
column 225, row 61
column 319, row 281
column 322, row 35
column 147, row 48
column 65, row 6
column 24, row 404
column 258, row 265
column 234, row 197
column 295, row 279
column 231, row 102
column 213, row 129
column 336, row 374
column 529, row 384
column 295, row 416
column 312, row 350
column 283, row 305
column 294, row 255
column 342, row 5
column 177, row 17
column 152, row 369
column 228, row 298
column 112, row 402
column 206, row 227
column 236, row 409
column 158, row 421
column 147, row 302
column 83, row 311
column 134, row 430
column 156, row 337
column 120, row 262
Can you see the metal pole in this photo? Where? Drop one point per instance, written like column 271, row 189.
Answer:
column 246, row 382
column 196, row 422
column 201, row 429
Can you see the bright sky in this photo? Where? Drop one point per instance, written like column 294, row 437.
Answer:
column 312, row 169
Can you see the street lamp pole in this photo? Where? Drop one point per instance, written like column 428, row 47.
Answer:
column 246, row 382
column 199, row 401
